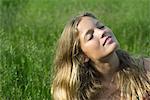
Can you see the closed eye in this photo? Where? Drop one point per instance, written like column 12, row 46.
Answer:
column 101, row 27
column 89, row 35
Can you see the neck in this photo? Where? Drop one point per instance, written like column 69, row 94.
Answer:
column 108, row 66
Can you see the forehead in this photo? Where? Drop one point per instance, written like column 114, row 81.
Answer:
column 86, row 23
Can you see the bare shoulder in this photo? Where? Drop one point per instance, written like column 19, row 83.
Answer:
column 147, row 64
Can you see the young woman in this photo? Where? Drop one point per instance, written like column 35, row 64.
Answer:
column 89, row 65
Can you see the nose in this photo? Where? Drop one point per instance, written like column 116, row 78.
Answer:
column 101, row 32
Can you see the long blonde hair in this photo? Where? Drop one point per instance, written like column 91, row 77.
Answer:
column 75, row 80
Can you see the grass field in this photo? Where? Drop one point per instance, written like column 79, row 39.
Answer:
column 29, row 30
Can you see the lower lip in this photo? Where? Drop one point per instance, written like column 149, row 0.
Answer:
column 109, row 41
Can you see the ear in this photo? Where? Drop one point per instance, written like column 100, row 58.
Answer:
column 86, row 58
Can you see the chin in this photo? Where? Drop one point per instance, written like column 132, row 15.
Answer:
column 113, row 46
column 109, row 51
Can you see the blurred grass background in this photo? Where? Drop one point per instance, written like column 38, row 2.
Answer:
column 29, row 30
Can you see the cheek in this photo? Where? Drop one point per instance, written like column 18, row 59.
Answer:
column 93, row 49
column 93, row 45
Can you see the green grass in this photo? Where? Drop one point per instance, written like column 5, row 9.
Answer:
column 29, row 30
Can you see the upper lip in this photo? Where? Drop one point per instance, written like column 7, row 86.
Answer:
column 106, row 37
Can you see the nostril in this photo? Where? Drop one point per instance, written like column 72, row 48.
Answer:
column 103, row 35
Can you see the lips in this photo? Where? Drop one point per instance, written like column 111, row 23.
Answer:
column 107, row 38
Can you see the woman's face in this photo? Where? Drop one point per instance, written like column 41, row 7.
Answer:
column 97, row 41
